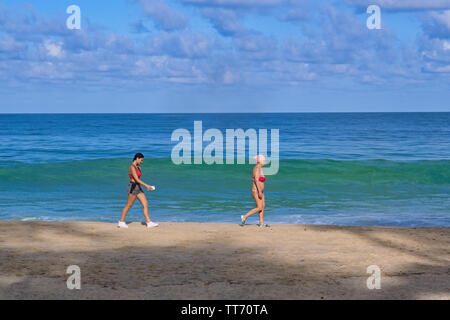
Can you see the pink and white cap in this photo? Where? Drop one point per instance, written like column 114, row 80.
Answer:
column 260, row 158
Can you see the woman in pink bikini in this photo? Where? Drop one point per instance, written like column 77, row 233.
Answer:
column 135, row 191
column 258, row 192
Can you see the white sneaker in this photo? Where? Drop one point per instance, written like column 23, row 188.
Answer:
column 151, row 224
column 122, row 224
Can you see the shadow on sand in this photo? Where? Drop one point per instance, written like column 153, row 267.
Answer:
column 212, row 269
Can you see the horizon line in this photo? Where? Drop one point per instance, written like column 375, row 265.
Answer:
column 269, row 112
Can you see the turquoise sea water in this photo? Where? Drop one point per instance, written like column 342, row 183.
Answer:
column 335, row 168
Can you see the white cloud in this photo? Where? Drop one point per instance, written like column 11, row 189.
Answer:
column 446, row 45
column 340, row 47
column 429, row 67
column 226, row 21
column 9, row 44
column 165, row 17
column 54, row 49
column 240, row 3
column 401, row 5
column 438, row 23
column 229, row 77
column 184, row 44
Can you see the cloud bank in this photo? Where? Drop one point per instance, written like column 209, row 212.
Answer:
column 331, row 45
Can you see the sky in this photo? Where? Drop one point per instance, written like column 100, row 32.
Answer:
column 224, row 56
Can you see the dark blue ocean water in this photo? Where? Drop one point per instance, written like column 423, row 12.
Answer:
column 335, row 168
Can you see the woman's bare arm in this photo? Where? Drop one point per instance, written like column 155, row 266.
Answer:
column 136, row 179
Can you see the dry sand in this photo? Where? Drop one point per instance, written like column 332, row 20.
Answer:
column 221, row 261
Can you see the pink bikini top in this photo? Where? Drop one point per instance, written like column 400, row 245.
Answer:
column 262, row 179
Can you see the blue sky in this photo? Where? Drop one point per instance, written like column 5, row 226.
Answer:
column 224, row 56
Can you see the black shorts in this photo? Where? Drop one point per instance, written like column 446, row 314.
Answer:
column 134, row 188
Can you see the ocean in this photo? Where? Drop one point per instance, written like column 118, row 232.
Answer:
column 390, row 169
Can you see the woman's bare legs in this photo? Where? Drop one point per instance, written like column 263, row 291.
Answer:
column 261, row 213
column 259, row 206
column 143, row 199
column 130, row 201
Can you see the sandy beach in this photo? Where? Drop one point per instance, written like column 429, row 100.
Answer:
column 221, row 261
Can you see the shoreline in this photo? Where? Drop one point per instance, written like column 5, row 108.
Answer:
column 191, row 260
column 31, row 220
